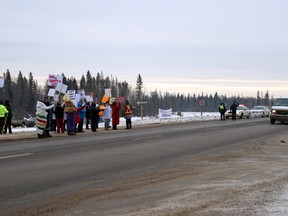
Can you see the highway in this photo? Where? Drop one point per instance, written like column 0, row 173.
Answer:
column 49, row 176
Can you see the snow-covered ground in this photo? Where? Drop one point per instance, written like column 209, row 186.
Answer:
column 186, row 116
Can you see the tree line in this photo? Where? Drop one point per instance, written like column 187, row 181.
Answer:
column 23, row 93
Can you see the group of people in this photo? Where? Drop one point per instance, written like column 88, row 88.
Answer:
column 223, row 109
column 75, row 116
column 5, row 117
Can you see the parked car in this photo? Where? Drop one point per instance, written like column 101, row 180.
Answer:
column 28, row 121
column 260, row 111
column 242, row 111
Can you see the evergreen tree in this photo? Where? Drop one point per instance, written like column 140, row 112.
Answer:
column 267, row 99
column 139, row 87
column 258, row 98
column 114, row 89
column 8, row 86
column 31, row 96
column 20, row 96
column 83, row 83
column 89, row 83
column 99, row 93
column 123, row 88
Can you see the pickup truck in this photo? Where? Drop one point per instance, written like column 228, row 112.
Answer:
column 279, row 110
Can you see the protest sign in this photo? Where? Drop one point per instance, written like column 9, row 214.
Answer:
column 108, row 92
column 89, row 98
column 81, row 93
column 120, row 100
column 111, row 100
column 51, row 92
column 61, row 88
column 105, row 98
column 71, row 94
column 54, row 79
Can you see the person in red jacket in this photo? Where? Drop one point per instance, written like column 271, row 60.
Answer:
column 115, row 115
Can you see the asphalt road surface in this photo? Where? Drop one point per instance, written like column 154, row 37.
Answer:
column 197, row 168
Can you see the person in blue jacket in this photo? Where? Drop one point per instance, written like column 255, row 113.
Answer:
column 82, row 116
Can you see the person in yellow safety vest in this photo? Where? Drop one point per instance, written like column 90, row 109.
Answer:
column 3, row 115
column 222, row 110
column 128, row 114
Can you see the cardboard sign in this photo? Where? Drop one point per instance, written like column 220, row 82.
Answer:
column 108, row 92
column 61, row 87
column 51, row 92
column 112, row 99
column 54, row 79
column 89, row 98
column 105, row 99
column 71, row 94
column 120, row 100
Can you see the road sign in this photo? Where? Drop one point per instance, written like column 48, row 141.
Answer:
column 141, row 102
column 202, row 102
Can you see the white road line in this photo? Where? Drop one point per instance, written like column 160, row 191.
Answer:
column 13, row 156
column 149, row 137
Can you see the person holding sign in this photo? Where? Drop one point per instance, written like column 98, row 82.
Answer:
column 80, row 114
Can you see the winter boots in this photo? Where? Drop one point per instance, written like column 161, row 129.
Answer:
column 71, row 133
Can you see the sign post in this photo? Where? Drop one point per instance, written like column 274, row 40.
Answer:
column 141, row 106
column 202, row 103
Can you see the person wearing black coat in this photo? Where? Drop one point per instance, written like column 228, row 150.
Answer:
column 94, row 116
column 233, row 109
column 59, row 114
column 8, row 125
column 87, row 115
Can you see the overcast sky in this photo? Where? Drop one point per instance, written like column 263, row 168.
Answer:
column 188, row 46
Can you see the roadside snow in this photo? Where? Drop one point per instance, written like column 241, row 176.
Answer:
column 186, row 116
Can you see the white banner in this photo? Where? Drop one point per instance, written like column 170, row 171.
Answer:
column 165, row 113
